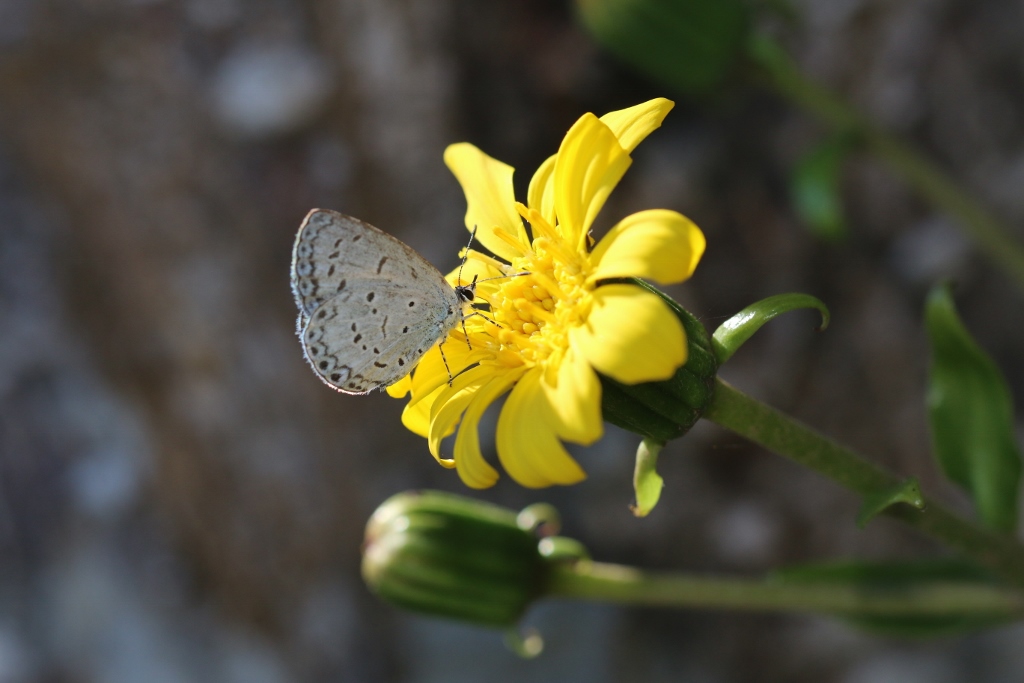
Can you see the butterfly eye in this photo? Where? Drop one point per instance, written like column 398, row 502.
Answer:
column 465, row 294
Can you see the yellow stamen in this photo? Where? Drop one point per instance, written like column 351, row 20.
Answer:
column 511, row 240
column 537, row 311
column 551, row 285
column 555, row 246
column 474, row 255
column 540, row 226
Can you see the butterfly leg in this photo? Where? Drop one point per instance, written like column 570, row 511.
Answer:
column 440, row 347
column 471, row 315
column 482, row 315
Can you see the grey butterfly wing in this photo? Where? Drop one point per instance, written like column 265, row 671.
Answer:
column 369, row 306
column 373, row 332
column 332, row 248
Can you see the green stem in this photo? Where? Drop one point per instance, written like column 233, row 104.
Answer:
column 732, row 409
column 616, row 583
column 990, row 234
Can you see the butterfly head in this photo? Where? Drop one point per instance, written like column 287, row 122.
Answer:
column 466, row 293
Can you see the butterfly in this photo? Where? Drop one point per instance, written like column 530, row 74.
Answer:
column 369, row 305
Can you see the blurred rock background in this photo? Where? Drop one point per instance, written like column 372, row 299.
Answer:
column 182, row 500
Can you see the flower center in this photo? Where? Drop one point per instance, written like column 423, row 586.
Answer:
column 536, row 311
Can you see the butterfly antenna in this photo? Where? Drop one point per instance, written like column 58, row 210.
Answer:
column 503, row 277
column 472, row 287
column 472, row 235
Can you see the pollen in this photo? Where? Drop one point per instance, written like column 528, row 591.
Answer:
column 534, row 312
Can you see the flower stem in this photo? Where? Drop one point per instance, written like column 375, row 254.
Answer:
column 991, row 236
column 617, row 583
column 731, row 408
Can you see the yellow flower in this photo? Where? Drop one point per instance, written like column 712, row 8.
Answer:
column 554, row 329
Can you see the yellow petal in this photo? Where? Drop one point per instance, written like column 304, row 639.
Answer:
column 490, row 201
column 481, row 269
column 659, row 245
column 429, row 375
column 474, row 471
column 632, row 125
column 431, row 371
column 528, row 446
column 631, row 335
column 451, row 402
column 416, row 418
column 590, row 164
column 541, row 195
column 400, row 388
column 575, row 400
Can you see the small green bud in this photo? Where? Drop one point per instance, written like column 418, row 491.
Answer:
column 450, row 556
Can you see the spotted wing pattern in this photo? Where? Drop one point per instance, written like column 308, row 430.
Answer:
column 370, row 306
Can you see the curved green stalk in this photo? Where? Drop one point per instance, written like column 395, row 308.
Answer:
column 617, row 583
column 989, row 233
column 733, row 409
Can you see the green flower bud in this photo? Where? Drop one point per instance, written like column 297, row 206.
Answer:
column 449, row 556
column 666, row 410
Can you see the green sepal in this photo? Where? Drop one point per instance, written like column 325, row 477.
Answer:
column 662, row 411
column 562, row 549
column 906, row 492
column 688, row 45
column 815, row 187
column 540, row 519
column 622, row 410
column 735, row 331
column 901, row 578
column 647, row 483
column 451, row 556
column 971, row 415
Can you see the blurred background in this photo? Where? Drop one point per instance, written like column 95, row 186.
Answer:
column 182, row 500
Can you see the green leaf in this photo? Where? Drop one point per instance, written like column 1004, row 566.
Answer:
column 735, row 331
column 901, row 577
column 906, row 491
column 690, row 46
column 971, row 416
column 647, row 483
column 815, row 188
